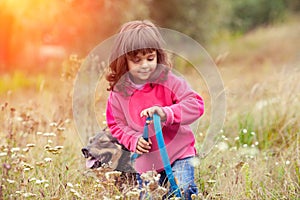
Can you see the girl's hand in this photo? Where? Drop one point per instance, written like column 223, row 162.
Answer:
column 143, row 146
column 155, row 109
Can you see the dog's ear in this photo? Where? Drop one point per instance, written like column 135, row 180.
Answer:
column 110, row 137
column 114, row 140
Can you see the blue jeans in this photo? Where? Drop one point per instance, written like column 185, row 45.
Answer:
column 183, row 172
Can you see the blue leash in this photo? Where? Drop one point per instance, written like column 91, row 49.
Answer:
column 163, row 152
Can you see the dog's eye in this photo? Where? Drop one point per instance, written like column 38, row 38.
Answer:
column 105, row 142
column 91, row 139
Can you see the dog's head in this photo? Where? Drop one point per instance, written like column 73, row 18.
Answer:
column 102, row 149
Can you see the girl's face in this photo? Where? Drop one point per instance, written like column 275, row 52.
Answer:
column 142, row 66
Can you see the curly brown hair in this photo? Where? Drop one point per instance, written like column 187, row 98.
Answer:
column 133, row 38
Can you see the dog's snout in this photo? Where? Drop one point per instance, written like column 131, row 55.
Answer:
column 85, row 152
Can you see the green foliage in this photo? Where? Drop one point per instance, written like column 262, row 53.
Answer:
column 293, row 5
column 248, row 182
column 205, row 20
column 246, row 133
column 249, row 14
column 197, row 18
column 19, row 80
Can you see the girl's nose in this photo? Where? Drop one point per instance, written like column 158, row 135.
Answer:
column 144, row 63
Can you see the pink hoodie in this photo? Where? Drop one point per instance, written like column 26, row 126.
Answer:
column 180, row 103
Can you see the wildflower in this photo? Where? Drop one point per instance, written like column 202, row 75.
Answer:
column 53, row 124
column 266, row 158
column 49, row 134
column 150, row 175
column 27, row 165
column 28, row 195
column 112, row 175
column 75, row 193
column 39, row 133
column 152, row 185
column 161, row 191
column 222, row 146
column 245, row 145
column 10, row 181
column 233, row 148
column 19, row 119
column 32, row 179
column 48, row 160
column 287, row 162
column 58, row 147
column 236, row 138
column 52, row 150
column 244, row 131
column 26, row 169
column 30, row 145
column 252, row 133
column 256, row 143
column 193, row 196
column 70, row 185
column 276, row 163
column 40, row 163
column 19, row 192
column 211, row 181
column 249, row 152
column 41, row 181
column 99, row 186
column 61, row 128
column 132, row 194
column 15, row 149
column 2, row 154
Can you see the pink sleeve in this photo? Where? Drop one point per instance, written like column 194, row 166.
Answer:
column 188, row 105
column 117, row 124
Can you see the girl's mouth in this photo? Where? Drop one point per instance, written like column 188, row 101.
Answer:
column 145, row 71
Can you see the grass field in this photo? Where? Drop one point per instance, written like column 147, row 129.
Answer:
column 256, row 157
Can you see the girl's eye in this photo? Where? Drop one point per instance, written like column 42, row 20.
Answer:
column 151, row 59
column 136, row 60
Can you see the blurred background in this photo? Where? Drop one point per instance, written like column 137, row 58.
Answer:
column 38, row 35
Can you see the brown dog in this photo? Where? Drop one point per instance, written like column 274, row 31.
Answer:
column 103, row 149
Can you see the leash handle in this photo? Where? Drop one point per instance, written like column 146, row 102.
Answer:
column 145, row 136
column 146, row 133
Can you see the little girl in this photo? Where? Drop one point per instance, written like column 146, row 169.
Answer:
column 141, row 84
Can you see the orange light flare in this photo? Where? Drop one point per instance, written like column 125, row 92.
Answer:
column 38, row 32
column 23, row 27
